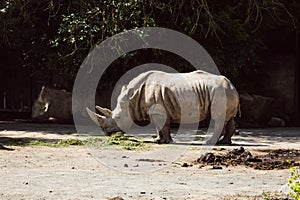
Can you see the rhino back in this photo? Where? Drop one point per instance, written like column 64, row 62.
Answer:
column 181, row 94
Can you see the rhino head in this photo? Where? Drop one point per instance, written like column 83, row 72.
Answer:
column 106, row 122
column 111, row 121
column 117, row 120
column 40, row 107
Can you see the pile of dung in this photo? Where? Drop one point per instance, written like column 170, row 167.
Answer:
column 268, row 160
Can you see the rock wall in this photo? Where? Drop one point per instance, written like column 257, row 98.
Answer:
column 280, row 84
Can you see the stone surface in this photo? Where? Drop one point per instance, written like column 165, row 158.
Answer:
column 257, row 110
column 276, row 122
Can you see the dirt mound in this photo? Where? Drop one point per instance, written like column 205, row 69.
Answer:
column 264, row 160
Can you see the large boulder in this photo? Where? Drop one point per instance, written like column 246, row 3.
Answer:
column 53, row 105
column 257, row 110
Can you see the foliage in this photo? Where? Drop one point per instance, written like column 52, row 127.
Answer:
column 56, row 35
column 264, row 196
column 118, row 140
column 294, row 183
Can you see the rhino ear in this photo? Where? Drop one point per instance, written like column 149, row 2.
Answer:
column 104, row 111
column 42, row 93
column 124, row 87
column 96, row 118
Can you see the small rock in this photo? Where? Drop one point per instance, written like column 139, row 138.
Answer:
column 249, row 157
column 201, row 166
column 240, row 150
column 116, row 198
column 125, row 165
column 217, row 167
column 184, row 165
column 232, row 155
column 246, row 153
column 254, row 160
column 208, row 157
column 218, row 159
column 276, row 122
column 233, row 151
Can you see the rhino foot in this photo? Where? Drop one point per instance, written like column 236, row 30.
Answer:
column 212, row 141
column 160, row 140
column 225, row 141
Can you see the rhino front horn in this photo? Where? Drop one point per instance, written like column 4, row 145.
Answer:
column 96, row 118
column 104, row 111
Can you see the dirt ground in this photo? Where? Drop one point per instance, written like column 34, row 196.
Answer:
column 40, row 172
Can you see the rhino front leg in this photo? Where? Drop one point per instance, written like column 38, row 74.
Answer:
column 161, row 121
column 164, row 135
column 162, row 125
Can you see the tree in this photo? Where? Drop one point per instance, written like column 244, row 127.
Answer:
column 56, row 35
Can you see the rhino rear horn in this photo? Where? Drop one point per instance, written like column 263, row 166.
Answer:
column 96, row 118
column 104, row 111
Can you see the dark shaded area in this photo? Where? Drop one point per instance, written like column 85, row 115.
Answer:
column 31, row 127
column 34, row 127
column 5, row 148
column 252, row 42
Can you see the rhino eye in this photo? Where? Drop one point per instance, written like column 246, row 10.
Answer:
column 46, row 107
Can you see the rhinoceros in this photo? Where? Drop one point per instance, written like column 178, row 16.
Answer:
column 166, row 98
column 52, row 105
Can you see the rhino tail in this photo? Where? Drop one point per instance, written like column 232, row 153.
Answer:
column 240, row 113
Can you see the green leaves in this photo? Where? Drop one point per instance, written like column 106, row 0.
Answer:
column 80, row 30
column 57, row 35
column 294, row 183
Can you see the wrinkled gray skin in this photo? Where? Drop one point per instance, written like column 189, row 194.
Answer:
column 52, row 105
column 165, row 98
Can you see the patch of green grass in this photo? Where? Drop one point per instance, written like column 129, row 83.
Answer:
column 119, row 141
column 264, row 196
column 29, row 141
column 57, row 144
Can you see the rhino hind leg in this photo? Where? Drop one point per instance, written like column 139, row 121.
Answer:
column 216, row 136
column 229, row 132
